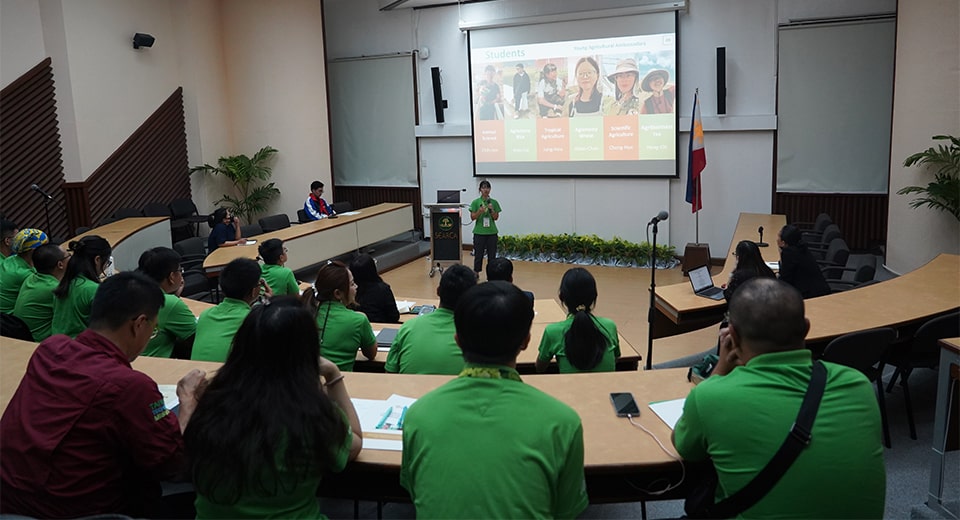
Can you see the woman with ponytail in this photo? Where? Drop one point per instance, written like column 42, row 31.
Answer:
column 342, row 331
column 71, row 305
column 583, row 342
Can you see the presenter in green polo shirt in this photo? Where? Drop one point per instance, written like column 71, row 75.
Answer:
column 485, row 212
column 16, row 268
column 485, row 444
column 280, row 279
column 175, row 321
column 35, row 302
column 74, row 294
column 342, row 331
column 242, row 285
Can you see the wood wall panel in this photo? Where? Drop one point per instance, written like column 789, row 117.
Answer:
column 30, row 152
column 862, row 218
column 365, row 196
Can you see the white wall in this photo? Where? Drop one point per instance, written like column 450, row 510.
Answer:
column 21, row 32
column 926, row 103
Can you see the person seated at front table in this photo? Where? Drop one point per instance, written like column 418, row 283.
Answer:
column 225, row 230
column 74, row 295
column 486, row 445
column 35, row 303
column 315, row 207
column 176, row 321
column 740, row 415
column 19, row 266
column 501, row 269
column 374, row 297
column 750, row 265
column 85, row 434
column 280, row 279
column 426, row 344
column 242, row 285
column 583, row 342
column 266, row 429
column 342, row 331
column 798, row 267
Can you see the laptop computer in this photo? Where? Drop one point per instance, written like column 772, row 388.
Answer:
column 702, row 283
column 385, row 338
column 448, row 196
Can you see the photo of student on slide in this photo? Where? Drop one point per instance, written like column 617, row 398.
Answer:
column 662, row 95
column 625, row 77
column 588, row 98
column 550, row 92
column 489, row 108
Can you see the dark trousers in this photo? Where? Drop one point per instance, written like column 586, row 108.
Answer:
column 481, row 244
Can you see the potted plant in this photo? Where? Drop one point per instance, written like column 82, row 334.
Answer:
column 248, row 175
column 943, row 193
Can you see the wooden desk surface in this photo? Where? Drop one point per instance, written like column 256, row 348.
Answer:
column 116, row 232
column 222, row 256
column 677, row 301
column 951, row 344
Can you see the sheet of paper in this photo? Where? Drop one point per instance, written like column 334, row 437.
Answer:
column 348, row 213
column 773, row 265
column 669, row 411
column 378, row 416
column 404, row 306
column 383, row 349
column 169, row 393
column 370, row 443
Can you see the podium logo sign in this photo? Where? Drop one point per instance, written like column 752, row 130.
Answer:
column 445, row 223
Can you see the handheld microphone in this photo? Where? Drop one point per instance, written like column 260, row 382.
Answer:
column 39, row 190
column 663, row 215
column 761, row 243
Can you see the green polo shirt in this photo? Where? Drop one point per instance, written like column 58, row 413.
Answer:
column 522, row 448
column 35, row 304
column 342, row 333
column 280, row 279
column 174, row 323
column 479, row 228
column 216, row 328
column 426, row 345
column 71, row 314
column 742, row 418
column 13, row 271
column 552, row 344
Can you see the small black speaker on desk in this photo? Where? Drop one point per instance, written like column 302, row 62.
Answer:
column 439, row 104
column 721, row 80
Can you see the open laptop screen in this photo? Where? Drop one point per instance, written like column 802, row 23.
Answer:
column 448, row 196
column 700, row 278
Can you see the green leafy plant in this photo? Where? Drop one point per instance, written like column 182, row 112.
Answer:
column 943, row 194
column 584, row 250
column 248, row 175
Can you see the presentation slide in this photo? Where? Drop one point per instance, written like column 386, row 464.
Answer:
column 589, row 107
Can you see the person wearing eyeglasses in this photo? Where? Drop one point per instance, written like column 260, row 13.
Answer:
column 588, row 98
column 74, row 294
column 35, row 302
column 85, row 434
column 280, row 279
column 176, row 321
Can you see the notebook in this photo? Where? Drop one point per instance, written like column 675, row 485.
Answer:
column 385, row 337
column 702, row 283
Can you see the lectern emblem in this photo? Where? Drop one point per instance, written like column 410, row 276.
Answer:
column 445, row 223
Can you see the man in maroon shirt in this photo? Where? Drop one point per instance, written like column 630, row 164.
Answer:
column 84, row 433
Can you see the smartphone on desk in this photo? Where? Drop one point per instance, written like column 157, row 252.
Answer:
column 624, row 405
column 420, row 310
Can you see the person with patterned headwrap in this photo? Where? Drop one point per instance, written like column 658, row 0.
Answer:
column 17, row 267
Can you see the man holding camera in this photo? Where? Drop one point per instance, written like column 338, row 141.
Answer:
column 225, row 230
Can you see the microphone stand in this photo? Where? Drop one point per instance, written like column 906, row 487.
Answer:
column 653, row 294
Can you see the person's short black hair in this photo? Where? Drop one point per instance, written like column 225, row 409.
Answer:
column 122, row 297
column 217, row 216
column 315, row 184
column 364, row 269
column 8, row 228
column 493, row 320
column 46, row 257
column 500, row 268
column 239, row 278
column 791, row 235
column 484, row 184
column 453, row 283
column 158, row 263
column 519, row 65
column 769, row 315
column 271, row 250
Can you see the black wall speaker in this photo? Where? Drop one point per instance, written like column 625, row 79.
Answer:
column 438, row 102
column 142, row 40
column 721, row 80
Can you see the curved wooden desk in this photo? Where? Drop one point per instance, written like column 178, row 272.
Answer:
column 684, row 311
column 314, row 241
column 130, row 237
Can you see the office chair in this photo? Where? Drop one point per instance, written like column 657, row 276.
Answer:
column 861, row 276
column 156, row 209
column 342, row 207
column 13, row 327
column 922, row 352
column 834, row 259
column 250, row 230
column 819, row 248
column 81, row 230
column 865, row 351
column 109, row 219
column 813, row 230
column 192, row 253
column 185, row 211
column 302, row 217
column 123, row 213
column 274, row 222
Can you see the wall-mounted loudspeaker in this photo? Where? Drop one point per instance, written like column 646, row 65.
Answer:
column 142, row 40
column 439, row 104
column 721, row 80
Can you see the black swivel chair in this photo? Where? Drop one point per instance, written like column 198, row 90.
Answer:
column 250, row 230
column 865, row 351
column 192, row 253
column 813, row 230
column 922, row 352
column 342, row 207
column 302, row 217
column 274, row 222
column 185, row 211
column 123, row 213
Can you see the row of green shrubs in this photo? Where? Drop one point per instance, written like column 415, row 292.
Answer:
column 584, row 250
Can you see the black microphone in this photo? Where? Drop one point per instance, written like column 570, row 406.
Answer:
column 659, row 218
column 39, row 190
column 761, row 243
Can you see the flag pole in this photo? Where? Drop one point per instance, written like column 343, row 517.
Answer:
column 696, row 193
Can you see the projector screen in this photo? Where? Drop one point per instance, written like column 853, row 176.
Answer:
column 561, row 100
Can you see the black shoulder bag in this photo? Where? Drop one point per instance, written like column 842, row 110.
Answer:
column 699, row 503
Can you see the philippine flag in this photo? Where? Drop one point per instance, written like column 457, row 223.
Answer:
column 696, row 160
